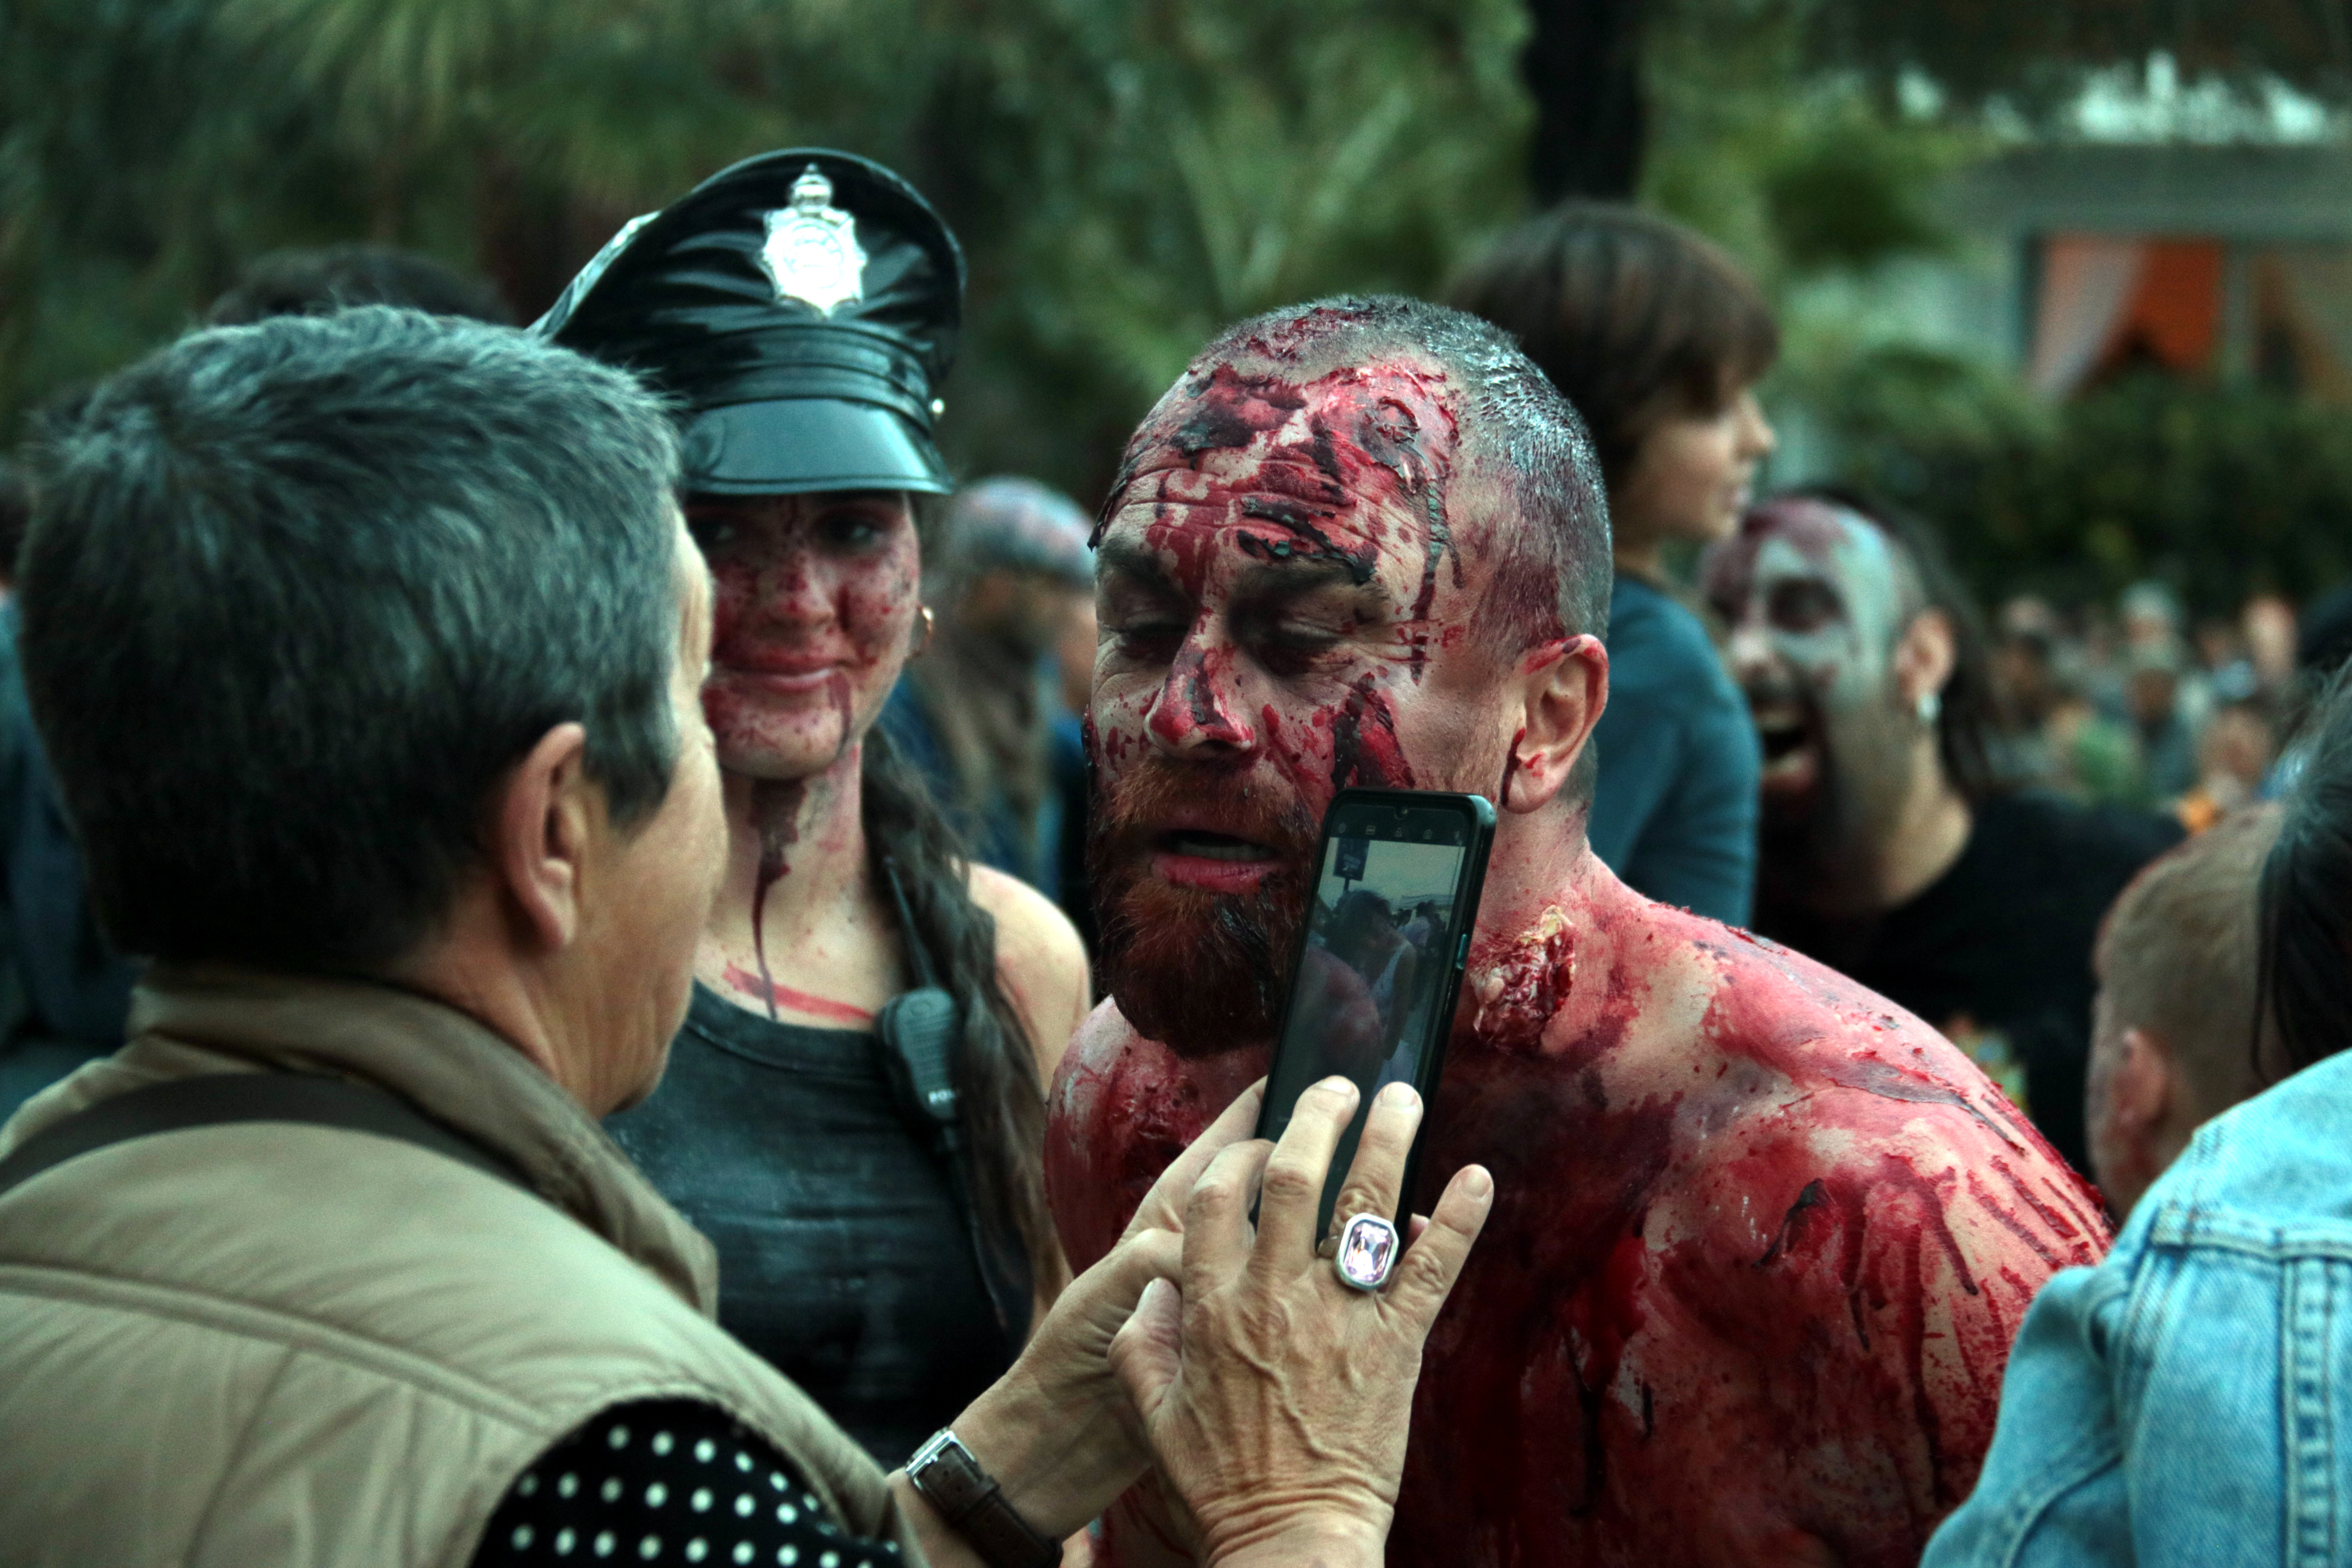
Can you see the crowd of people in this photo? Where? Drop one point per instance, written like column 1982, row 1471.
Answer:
column 609, row 963
column 2122, row 704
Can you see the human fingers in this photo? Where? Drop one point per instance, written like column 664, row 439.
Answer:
column 1136, row 1262
column 1376, row 1180
column 1163, row 1205
column 1146, row 1354
column 1426, row 1273
column 1292, row 1191
column 1216, row 1221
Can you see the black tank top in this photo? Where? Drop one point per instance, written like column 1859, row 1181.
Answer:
column 843, row 1259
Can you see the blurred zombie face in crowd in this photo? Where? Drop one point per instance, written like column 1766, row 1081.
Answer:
column 1816, row 598
column 816, row 604
column 1289, row 568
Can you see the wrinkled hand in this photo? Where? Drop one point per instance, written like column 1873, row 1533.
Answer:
column 1276, row 1399
column 1058, row 1431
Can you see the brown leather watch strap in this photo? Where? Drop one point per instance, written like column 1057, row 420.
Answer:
column 972, row 1502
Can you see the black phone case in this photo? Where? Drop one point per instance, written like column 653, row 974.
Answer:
column 1479, row 813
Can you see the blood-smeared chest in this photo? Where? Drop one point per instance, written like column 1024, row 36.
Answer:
column 1691, row 1332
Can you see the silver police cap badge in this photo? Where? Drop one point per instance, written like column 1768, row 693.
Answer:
column 812, row 250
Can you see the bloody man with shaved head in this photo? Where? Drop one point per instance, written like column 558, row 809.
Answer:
column 1761, row 1238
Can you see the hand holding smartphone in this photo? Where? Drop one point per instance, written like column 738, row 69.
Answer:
column 1398, row 875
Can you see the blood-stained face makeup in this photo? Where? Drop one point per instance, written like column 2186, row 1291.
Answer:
column 1759, row 1241
column 1288, row 566
column 1815, row 599
column 816, row 604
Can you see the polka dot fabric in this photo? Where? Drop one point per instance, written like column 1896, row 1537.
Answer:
column 672, row 1483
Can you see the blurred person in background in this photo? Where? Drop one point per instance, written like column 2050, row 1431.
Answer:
column 1073, row 654
column 2172, row 1033
column 2267, row 623
column 2222, row 656
column 76, row 988
column 2323, row 644
column 2167, row 740
column 2233, row 759
column 2024, row 671
column 2092, row 758
column 801, row 310
column 1657, row 338
column 2159, row 690
column 326, row 279
column 330, row 1264
column 975, row 713
column 1889, row 852
column 2182, row 1402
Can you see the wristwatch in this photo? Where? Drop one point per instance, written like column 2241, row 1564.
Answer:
column 972, row 1502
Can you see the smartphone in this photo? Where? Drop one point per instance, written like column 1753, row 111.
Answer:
column 1379, row 966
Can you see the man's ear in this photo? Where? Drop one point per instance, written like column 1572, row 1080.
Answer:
column 541, row 827
column 1563, row 686
column 1924, row 656
column 2141, row 1095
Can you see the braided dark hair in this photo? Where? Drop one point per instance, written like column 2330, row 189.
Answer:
column 996, row 1071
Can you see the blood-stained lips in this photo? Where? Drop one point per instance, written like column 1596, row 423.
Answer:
column 1199, row 899
column 1204, row 847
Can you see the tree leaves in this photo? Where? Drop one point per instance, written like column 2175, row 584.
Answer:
column 1127, row 174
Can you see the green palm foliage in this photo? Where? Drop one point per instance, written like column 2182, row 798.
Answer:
column 1127, row 174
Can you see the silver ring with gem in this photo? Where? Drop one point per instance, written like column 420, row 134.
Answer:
column 1368, row 1251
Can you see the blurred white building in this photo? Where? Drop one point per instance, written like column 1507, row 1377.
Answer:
column 2156, row 224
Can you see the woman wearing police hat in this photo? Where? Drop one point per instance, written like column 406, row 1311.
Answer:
column 858, row 1128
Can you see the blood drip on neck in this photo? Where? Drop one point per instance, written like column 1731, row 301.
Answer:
column 776, row 811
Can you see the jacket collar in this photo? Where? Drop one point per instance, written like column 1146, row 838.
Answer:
column 187, row 1020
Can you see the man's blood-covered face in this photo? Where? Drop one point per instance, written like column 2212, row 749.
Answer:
column 1815, row 600
column 1288, row 574
column 815, row 613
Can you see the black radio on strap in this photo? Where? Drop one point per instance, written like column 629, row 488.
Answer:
column 215, row 1099
column 920, row 1031
column 921, row 1035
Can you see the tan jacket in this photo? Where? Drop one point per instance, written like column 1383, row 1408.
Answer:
column 270, row 1343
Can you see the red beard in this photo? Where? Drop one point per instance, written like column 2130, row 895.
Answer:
column 1202, row 973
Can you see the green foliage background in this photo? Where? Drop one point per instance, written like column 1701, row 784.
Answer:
column 1778, row 133
column 1127, row 174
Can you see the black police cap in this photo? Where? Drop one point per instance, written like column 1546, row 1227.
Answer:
column 803, row 306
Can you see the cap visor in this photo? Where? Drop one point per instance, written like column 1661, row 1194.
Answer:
column 794, row 446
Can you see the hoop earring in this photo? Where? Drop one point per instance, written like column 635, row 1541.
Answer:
column 929, row 626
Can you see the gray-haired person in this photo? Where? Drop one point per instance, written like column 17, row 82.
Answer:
column 976, row 713
column 367, row 649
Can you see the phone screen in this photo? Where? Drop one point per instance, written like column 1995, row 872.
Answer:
column 1392, row 909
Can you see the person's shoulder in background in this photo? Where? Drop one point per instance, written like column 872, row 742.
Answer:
column 1039, row 959
column 1659, row 648
column 2142, row 1399
column 1674, row 802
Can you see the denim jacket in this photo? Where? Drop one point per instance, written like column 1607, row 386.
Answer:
column 2190, row 1399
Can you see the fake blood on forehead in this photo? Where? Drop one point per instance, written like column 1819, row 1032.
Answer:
column 1377, row 433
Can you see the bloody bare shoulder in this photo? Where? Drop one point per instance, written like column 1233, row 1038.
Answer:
column 1761, row 1241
